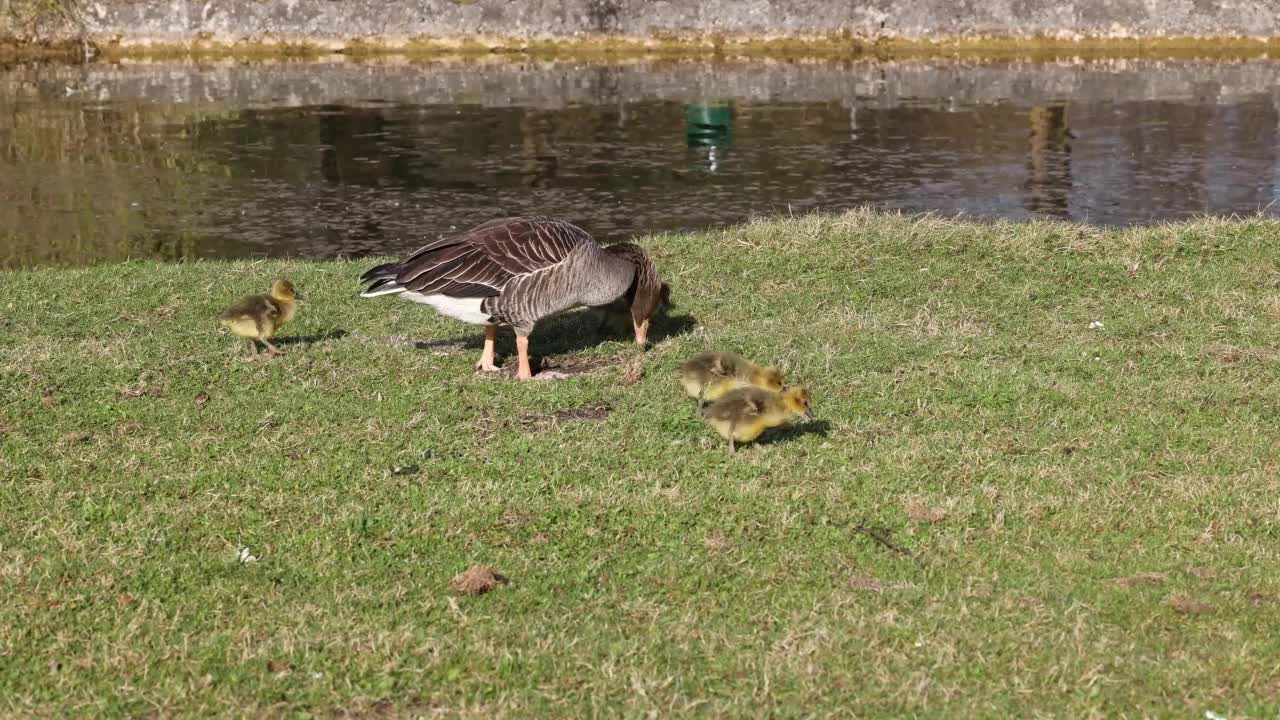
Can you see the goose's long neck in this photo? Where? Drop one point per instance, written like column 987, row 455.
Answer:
column 630, row 261
column 619, row 262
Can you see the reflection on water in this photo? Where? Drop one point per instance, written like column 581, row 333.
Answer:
column 324, row 160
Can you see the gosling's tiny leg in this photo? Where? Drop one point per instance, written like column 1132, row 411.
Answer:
column 522, row 350
column 486, row 356
column 272, row 349
column 732, row 447
column 252, row 344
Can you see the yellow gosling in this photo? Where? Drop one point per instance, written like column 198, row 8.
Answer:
column 256, row 318
column 741, row 415
column 722, row 372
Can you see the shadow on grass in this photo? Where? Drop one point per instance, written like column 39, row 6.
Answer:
column 791, row 432
column 579, row 331
column 559, row 335
column 311, row 339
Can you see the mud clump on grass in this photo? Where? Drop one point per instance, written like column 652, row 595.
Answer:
column 1189, row 607
column 573, row 365
column 478, row 580
column 595, row 412
column 1144, row 578
column 717, row 543
column 147, row 390
column 632, row 373
column 921, row 512
column 869, row 584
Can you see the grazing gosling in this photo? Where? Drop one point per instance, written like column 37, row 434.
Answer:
column 721, row 372
column 256, row 318
column 741, row 415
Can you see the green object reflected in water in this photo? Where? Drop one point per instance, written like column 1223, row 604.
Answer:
column 709, row 127
column 709, row 124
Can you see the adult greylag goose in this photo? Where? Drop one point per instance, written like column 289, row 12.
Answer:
column 517, row 271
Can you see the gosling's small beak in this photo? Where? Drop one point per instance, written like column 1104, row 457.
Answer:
column 809, row 413
column 298, row 296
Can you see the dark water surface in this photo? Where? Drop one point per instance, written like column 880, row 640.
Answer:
column 326, row 159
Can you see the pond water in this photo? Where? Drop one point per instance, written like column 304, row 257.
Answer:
column 104, row 162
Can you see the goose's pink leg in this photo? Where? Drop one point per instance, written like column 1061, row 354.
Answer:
column 486, row 355
column 522, row 350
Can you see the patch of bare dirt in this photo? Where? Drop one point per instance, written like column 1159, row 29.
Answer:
column 129, row 428
column 632, row 373
column 477, row 580
column 404, row 707
column 1204, row 573
column 76, row 438
column 568, row 365
column 595, row 412
column 920, row 512
column 145, row 390
column 573, row 365
column 868, row 584
column 1143, row 578
column 515, row 520
column 1189, row 607
column 717, row 543
column 1230, row 355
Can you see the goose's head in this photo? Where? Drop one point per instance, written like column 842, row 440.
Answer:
column 648, row 302
column 648, row 294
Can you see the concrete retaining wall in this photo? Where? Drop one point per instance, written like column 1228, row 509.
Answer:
column 335, row 23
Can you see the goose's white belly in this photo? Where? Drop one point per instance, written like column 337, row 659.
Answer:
column 465, row 309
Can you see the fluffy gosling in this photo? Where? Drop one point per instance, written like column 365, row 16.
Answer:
column 741, row 415
column 722, row 372
column 256, row 318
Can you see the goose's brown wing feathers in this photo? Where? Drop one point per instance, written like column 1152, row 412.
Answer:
column 481, row 261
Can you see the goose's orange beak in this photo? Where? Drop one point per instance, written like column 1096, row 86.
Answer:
column 642, row 331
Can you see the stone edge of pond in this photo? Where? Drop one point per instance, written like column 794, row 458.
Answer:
column 605, row 48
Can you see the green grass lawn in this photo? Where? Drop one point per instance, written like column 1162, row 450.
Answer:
column 1092, row 513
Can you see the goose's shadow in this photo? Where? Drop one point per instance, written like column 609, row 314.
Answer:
column 336, row 334
column 561, row 335
column 791, row 432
